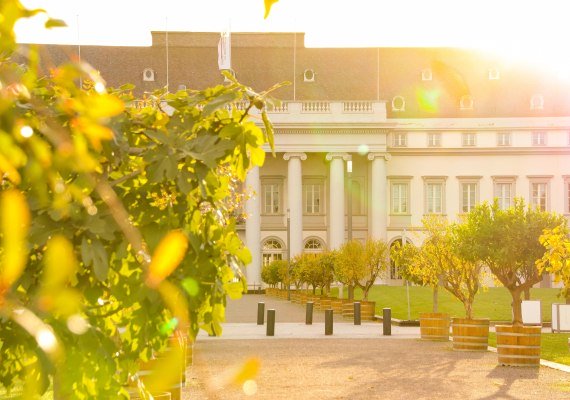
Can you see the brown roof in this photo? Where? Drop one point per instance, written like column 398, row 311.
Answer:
column 263, row 59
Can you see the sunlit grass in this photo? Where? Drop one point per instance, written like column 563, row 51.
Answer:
column 493, row 303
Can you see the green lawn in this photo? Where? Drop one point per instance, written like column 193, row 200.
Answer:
column 16, row 393
column 493, row 303
column 553, row 346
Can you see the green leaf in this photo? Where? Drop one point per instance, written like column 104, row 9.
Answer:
column 95, row 255
column 209, row 149
column 219, row 102
column 269, row 132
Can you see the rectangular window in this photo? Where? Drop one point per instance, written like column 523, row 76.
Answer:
column 434, row 139
column 434, row 198
column 400, row 195
column 539, row 138
column 271, row 202
column 539, row 193
column 503, row 139
column 469, row 139
column 312, row 194
column 468, row 196
column 399, row 139
column 504, row 194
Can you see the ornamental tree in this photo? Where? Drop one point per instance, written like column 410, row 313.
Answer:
column 270, row 273
column 507, row 242
column 556, row 259
column 117, row 219
column 375, row 258
column 349, row 266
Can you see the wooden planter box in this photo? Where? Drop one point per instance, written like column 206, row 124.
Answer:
column 325, row 303
column 303, row 297
column 518, row 346
column 337, row 305
column 367, row 310
column 470, row 334
column 434, row 326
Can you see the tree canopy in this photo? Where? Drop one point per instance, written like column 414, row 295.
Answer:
column 118, row 222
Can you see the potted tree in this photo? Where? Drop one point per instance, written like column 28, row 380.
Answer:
column 375, row 259
column 423, row 265
column 556, row 259
column 507, row 242
column 460, row 277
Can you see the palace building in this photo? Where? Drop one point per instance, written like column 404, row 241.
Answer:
column 369, row 140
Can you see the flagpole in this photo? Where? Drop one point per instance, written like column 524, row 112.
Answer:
column 79, row 50
column 167, row 72
column 407, row 281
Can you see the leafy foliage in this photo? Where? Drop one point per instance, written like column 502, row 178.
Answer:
column 359, row 264
column 507, row 241
column 118, row 219
column 556, row 259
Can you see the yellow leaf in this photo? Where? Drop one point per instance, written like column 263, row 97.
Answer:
column 15, row 222
column 61, row 263
column 93, row 131
column 11, row 173
column 103, row 106
column 164, row 371
column 168, row 254
column 268, row 5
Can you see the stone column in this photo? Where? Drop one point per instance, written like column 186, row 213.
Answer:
column 336, row 199
column 378, row 206
column 253, row 227
column 295, row 201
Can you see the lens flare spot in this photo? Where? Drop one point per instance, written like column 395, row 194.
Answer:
column 363, row 149
column 26, row 131
column 250, row 387
column 77, row 324
column 100, row 87
column 428, row 99
column 46, row 340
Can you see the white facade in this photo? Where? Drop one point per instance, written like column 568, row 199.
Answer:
column 401, row 171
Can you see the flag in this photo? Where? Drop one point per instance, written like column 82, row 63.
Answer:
column 225, row 51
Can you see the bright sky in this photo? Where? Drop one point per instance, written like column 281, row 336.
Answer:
column 531, row 31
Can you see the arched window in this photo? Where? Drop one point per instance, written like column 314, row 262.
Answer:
column 148, row 75
column 314, row 245
column 394, row 270
column 271, row 250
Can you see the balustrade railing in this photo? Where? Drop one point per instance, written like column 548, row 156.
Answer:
column 357, row 107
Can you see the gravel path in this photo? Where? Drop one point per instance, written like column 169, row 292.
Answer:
column 354, row 368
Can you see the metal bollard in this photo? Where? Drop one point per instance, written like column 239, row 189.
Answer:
column 356, row 313
column 387, row 321
column 309, row 313
column 260, row 313
column 270, row 322
column 328, row 322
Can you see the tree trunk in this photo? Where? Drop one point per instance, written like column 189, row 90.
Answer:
column 350, row 292
column 527, row 294
column 468, row 310
column 567, row 299
column 365, row 291
column 435, row 298
column 314, row 289
column 517, row 307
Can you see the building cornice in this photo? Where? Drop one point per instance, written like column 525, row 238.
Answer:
column 486, row 151
column 332, row 131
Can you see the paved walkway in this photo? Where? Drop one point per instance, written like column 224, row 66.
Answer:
column 357, row 362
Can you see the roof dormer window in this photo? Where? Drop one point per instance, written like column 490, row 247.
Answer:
column 494, row 74
column 537, row 102
column 466, row 102
column 398, row 103
column 427, row 74
column 148, row 75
